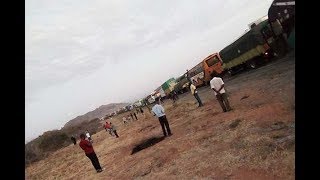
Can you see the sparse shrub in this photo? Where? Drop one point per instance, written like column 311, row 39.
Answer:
column 54, row 141
column 51, row 141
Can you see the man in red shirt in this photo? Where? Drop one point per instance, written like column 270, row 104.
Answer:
column 88, row 149
column 107, row 127
column 111, row 128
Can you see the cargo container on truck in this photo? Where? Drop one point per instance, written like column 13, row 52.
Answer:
column 168, row 86
column 252, row 48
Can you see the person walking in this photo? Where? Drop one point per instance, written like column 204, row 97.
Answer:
column 158, row 111
column 135, row 115
column 217, row 85
column 194, row 92
column 114, row 129
column 131, row 116
column 89, row 151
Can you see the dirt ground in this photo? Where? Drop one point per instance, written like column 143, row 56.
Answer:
column 256, row 140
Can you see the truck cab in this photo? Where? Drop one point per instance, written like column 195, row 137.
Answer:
column 212, row 65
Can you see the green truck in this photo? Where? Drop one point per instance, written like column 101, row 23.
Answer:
column 251, row 48
column 168, row 86
column 182, row 84
column 283, row 11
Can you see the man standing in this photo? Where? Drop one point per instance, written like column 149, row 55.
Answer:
column 188, row 76
column 217, row 85
column 88, row 149
column 194, row 92
column 159, row 112
column 175, row 94
column 124, row 120
column 73, row 139
column 135, row 115
column 141, row 110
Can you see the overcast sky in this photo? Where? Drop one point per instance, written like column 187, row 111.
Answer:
column 86, row 53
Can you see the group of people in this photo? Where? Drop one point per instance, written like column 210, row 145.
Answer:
column 216, row 84
column 129, row 118
column 86, row 144
column 111, row 129
column 132, row 116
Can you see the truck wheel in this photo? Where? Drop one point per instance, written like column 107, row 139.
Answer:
column 252, row 65
column 230, row 73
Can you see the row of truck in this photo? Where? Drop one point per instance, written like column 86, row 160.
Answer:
column 267, row 37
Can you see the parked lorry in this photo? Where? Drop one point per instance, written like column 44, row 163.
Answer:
column 181, row 84
column 168, row 86
column 283, row 12
column 200, row 74
column 251, row 49
column 247, row 50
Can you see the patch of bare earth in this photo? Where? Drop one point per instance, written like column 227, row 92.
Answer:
column 256, row 140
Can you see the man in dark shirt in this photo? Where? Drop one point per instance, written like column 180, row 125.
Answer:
column 88, row 149
column 135, row 115
column 73, row 139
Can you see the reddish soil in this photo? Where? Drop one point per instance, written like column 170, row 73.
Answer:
column 256, row 140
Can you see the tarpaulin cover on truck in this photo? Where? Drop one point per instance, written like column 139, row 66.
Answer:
column 168, row 85
column 281, row 8
column 246, row 42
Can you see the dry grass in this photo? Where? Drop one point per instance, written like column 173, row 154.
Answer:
column 203, row 145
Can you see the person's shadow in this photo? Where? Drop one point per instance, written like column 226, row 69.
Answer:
column 146, row 143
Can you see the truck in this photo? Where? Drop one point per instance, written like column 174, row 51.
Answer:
column 150, row 99
column 253, row 48
column 246, row 51
column 162, row 93
column 201, row 74
column 181, row 84
column 168, row 86
column 283, row 12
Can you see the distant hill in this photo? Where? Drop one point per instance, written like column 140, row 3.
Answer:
column 50, row 141
column 97, row 113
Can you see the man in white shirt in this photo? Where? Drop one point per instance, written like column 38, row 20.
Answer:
column 217, row 85
column 159, row 112
column 194, row 92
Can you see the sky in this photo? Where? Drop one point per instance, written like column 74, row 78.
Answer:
column 87, row 53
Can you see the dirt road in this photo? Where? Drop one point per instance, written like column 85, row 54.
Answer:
column 256, row 140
